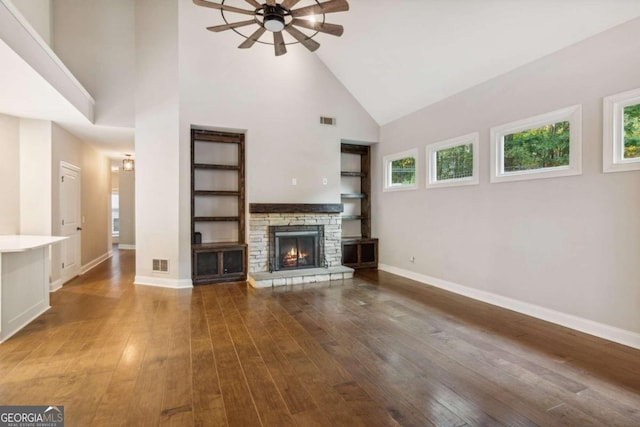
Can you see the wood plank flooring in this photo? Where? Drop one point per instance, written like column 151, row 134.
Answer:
column 378, row 350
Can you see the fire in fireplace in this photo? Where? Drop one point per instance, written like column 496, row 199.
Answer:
column 296, row 246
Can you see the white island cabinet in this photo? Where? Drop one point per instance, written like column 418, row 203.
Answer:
column 24, row 280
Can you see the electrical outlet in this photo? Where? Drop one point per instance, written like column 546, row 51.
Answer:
column 412, row 259
column 324, row 181
column 294, row 181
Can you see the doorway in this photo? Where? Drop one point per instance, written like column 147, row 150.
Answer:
column 71, row 221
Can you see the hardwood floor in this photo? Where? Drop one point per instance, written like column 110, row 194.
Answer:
column 373, row 351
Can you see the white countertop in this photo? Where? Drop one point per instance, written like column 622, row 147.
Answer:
column 21, row 243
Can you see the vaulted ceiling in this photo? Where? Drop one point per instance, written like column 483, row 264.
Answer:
column 396, row 57
column 399, row 56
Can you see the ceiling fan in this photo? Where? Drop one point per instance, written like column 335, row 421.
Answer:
column 278, row 17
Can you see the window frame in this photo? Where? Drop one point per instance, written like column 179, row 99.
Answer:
column 432, row 165
column 613, row 135
column 571, row 114
column 386, row 165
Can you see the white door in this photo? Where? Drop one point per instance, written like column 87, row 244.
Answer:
column 71, row 220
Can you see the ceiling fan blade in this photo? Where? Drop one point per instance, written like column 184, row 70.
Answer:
column 310, row 44
column 252, row 38
column 218, row 28
column 288, row 4
column 271, row 2
column 333, row 29
column 318, row 9
column 278, row 42
column 253, row 3
column 224, row 7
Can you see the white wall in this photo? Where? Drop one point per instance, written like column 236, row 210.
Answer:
column 278, row 100
column 9, row 175
column 95, row 40
column 35, row 177
column 157, row 142
column 38, row 13
column 570, row 245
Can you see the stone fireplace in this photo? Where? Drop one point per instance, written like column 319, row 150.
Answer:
column 296, row 246
column 291, row 244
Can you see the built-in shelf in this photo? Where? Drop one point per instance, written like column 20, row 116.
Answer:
column 353, row 174
column 353, row 195
column 213, row 245
column 353, row 217
column 358, row 251
column 216, row 218
column 220, row 261
column 216, row 167
column 216, row 193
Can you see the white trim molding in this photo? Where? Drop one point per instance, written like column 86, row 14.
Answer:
column 611, row 333
column 162, row 282
column 55, row 285
column 571, row 114
column 432, row 161
column 126, row 247
column 94, row 263
column 386, row 167
column 613, row 132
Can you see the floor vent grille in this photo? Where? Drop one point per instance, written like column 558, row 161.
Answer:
column 160, row 265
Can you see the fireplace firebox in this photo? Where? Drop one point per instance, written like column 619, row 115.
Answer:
column 296, row 246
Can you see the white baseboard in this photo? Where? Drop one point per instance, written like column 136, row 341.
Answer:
column 611, row 333
column 91, row 264
column 126, row 247
column 56, row 285
column 163, row 282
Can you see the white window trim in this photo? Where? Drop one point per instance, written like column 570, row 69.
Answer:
column 572, row 114
column 432, row 170
column 613, row 135
column 386, row 163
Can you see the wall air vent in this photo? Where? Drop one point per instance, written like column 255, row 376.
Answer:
column 160, row 265
column 329, row 121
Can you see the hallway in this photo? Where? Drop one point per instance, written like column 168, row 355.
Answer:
column 375, row 350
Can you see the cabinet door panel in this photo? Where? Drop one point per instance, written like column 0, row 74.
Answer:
column 233, row 262
column 207, row 263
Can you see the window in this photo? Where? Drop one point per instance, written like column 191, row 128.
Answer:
column 453, row 162
column 545, row 146
column 621, row 139
column 115, row 214
column 400, row 171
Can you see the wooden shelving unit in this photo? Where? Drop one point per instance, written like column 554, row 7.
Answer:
column 359, row 250
column 219, row 251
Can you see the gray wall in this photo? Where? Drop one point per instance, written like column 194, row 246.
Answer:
column 570, row 244
column 126, row 192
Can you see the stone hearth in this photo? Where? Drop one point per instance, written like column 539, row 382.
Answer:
column 261, row 217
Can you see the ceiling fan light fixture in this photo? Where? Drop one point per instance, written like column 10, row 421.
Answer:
column 278, row 18
column 274, row 24
column 273, row 19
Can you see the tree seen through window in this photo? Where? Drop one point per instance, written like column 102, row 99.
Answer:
column 543, row 147
column 403, row 171
column 454, row 162
column 632, row 131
